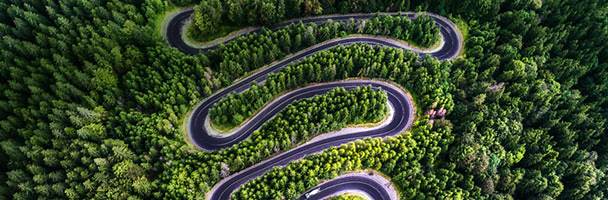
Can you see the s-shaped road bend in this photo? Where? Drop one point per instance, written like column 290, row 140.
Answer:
column 399, row 100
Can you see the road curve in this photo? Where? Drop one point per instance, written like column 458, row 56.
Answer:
column 452, row 37
column 358, row 183
column 402, row 120
column 399, row 99
column 368, row 184
column 203, row 140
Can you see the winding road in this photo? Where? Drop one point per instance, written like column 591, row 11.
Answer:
column 399, row 100
column 358, row 183
column 369, row 184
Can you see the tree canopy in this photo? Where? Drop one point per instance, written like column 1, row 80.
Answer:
column 93, row 99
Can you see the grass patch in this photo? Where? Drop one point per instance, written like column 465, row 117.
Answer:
column 160, row 22
column 464, row 29
column 221, row 128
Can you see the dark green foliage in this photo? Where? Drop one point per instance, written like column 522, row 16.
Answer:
column 93, row 102
column 62, row 68
column 267, row 12
column 523, row 103
column 421, row 31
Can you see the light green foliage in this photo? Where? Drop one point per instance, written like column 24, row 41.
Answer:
column 429, row 82
column 410, row 159
column 207, row 17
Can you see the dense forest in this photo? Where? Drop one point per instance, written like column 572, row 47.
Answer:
column 251, row 52
column 429, row 81
column 408, row 159
column 93, row 99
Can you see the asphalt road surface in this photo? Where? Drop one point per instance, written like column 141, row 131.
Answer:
column 399, row 99
column 402, row 120
column 358, row 183
column 368, row 184
column 452, row 37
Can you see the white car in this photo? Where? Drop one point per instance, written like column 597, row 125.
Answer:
column 313, row 192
